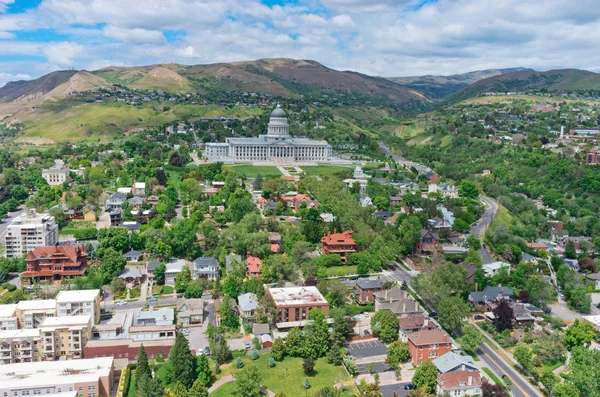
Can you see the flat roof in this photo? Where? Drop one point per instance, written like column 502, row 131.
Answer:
column 44, row 304
column 67, row 320
column 130, row 342
column 40, row 374
column 7, row 311
column 19, row 333
column 296, row 296
column 151, row 328
column 82, row 295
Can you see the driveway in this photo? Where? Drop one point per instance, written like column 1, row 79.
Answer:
column 197, row 338
column 378, row 367
column 562, row 311
column 237, row 344
column 389, row 390
column 366, row 349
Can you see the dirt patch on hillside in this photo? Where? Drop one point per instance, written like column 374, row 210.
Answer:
column 36, row 141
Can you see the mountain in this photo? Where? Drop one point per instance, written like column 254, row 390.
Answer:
column 560, row 79
column 441, row 86
column 24, row 89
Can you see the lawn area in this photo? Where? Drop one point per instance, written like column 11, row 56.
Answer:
column 252, row 170
column 503, row 218
column 131, row 392
column 162, row 289
column 288, row 377
column 341, row 270
column 326, row 169
column 70, row 228
column 492, row 376
column 225, row 390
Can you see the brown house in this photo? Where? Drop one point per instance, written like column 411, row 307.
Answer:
column 53, row 264
column 366, row 289
column 428, row 242
column 428, row 345
column 338, row 243
column 413, row 323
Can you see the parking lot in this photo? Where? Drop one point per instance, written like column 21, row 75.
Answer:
column 378, row 367
column 389, row 390
column 365, row 349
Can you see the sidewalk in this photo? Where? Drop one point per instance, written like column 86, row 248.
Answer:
column 220, row 382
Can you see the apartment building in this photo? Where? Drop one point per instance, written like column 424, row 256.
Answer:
column 52, row 264
column 86, row 378
column 56, row 176
column 31, row 313
column 294, row 303
column 19, row 346
column 64, row 337
column 79, row 302
column 8, row 317
column 29, row 231
column 428, row 345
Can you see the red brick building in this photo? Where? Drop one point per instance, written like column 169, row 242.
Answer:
column 127, row 348
column 593, row 157
column 428, row 242
column 365, row 290
column 53, row 264
column 253, row 265
column 338, row 243
column 294, row 303
column 428, row 345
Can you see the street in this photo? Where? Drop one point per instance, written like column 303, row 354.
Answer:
column 400, row 274
column 482, row 224
column 520, row 387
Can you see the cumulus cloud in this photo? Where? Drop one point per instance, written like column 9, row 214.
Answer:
column 64, row 54
column 135, row 35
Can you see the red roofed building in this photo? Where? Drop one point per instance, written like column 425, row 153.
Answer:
column 428, row 345
column 295, row 201
column 53, row 264
column 253, row 264
column 338, row 243
column 460, row 383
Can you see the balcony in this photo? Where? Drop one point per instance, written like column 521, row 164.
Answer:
column 6, row 355
column 5, row 347
column 26, row 346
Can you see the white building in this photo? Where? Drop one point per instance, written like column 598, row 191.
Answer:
column 278, row 146
column 32, row 313
column 56, row 176
column 19, row 345
column 79, row 302
column 29, row 231
column 8, row 317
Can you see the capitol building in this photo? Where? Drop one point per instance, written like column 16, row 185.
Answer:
column 277, row 146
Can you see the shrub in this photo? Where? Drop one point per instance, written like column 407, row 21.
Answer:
column 239, row 363
column 255, row 355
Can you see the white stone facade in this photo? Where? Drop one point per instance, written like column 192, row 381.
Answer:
column 28, row 231
column 277, row 146
column 56, row 176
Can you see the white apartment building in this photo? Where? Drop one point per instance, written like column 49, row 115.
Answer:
column 56, row 176
column 19, row 346
column 64, row 337
column 80, row 302
column 31, row 313
column 8, row 317
column 28, row 231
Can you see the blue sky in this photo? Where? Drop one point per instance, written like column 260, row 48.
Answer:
column 378, row 37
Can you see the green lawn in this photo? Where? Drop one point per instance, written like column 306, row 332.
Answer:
column 225, row 390
column 252, row 170
column 162, row 289
column 503, row 218
column 326, row 169
column 70, row 228
column 341, row 270
column 288, row 377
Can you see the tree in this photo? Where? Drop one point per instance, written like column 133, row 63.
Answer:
column 490, row 390
column 198, row 389
column 228, row 317
column 247, row 382
column 468, row 189
column 385, row 324
column 471, row 339
column 150, row 387
column 239, row 363
column 117, row 285
column 179, row 390
column 271, row 362
column 258, row 182
column 113, row 263
column 306, row 384
column 550, row 348
column 255, row 355
column 580, row 333
column 524, row 357
column 398, row 352
column 587, row 265
column 308, row 365
column 116, row 238
column 570, row 251
column 503, row 314
column 159, row 273
column 204, row 372
column 278, row 349
column 142, row 368
column 182, row 362
column 163, row 250
column 221, row 352
column 453, row 311
column 182, row 279
column 548, row 379
column 565, row 390
column 426, row 377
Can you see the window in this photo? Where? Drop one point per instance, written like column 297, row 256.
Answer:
column 80, row 388
column 92, row 387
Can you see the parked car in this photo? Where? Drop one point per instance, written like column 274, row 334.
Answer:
column 433, row 314
column 153, row 299
column 479, row 317
column 353, row 278
column 207, row 351
column 548, row 310
column 193, row 352
column 121, row 303
column 248, row 345
column 409, row 386
column 367, row 332
column 185, row 332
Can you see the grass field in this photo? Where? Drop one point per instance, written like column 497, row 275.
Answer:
column 531, row 98
column 252, row 170
column 326, row 169
column 288, row 377
column 225, row 390
column 341, row 270
column 70, row 228
column 503, row 218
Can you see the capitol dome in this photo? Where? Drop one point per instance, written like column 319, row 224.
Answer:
column 278, row 112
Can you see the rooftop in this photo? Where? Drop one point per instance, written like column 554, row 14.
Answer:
column 339, row 238
column 452, row 360
column 459, row 380
column 429, row 337
column 58, row 322
column 296, row 296
column 33, row 305
column 19, row 333
column 82, row 295
column 7, row 310
column 45, row 373
column 248, row 302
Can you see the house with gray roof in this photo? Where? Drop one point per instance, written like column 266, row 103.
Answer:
column 365, row 290
column 248, row 303
column 115, row 201
column 397, row 301
column 490, row 294
column 161, row 316
column 205, row 267
column 190, row 312
column 453, row 362
column 132, row 256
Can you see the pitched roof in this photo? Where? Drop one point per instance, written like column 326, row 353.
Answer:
column 70, row 251
column 247, row 302
column 490, row 293
column 253, row 263
column 260, row 329
column 425, row 232
column 339, row 238
column 412, row 321
column 459, row 380
column 369, row 284
column 452, row 360
column 429, row 337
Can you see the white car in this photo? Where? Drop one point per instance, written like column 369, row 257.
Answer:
column 121, row 303
column 185, row 332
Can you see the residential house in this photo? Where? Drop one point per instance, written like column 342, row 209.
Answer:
column 248, row 303
column 155, row 317
column 461, row 383
column 132, row 256
column 428, row 345
column 453, row 362
column 150, row 267
column 115, row 217
column 173, row 269
column 217, row 309
column 139, row 189
column 115, row 201
column 56, row 176
column 133, row 275
column 55, row 263
column 490, row 294
column 428, row 242
column 260, row 329
column 365, row 290
column 338, row 243
column 205, row 267
column 136, row 202
column 398, row 301
column 490, row 269
column 594, row 278
column 295, row 201
column 395, row 201
column 132, row 226
column 190, row 312
column 253, row 265
column 413, row 323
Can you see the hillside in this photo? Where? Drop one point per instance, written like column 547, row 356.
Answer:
column 527, row 80
column 442, row 86
column 25, row 89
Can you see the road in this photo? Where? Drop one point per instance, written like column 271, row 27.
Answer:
column 400, row 274
column 520, row 387
column 478, row 230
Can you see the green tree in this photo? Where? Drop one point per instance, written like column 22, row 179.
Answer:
column 204, row 372
column 580, row 333
column 278, row 349
column 182, row 362
column 159, row 273
column 222, row 354
column 385, row 324
column 150, row 387
column 565, row 390
column 452, row 311
column 471, row 339
column 548, row 379
column 308, row 365
column 182, row 279
column 179, row 390
column 142, row 369
column 239, row 363
column 425, row 377
column 398, row 352
column 570, row 251
column 163, row 250
column 255, row 355
column 272, row 362
column 116, row 238
column 316, row 335
column 228, row 317
column 113, row 263
column 550, row 348
column 468, row 189
column 198, row 389
column 247, row 382
column 306, row 384
column 524, row 357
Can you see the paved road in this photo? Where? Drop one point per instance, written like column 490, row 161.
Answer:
column 400, row 274
column 389, row 390
column 520, row 387
column 478, row 230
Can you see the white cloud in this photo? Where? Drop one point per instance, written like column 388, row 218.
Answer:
column 64, row 54
column 343, row 21
column 135, row 35
column 4, row 4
